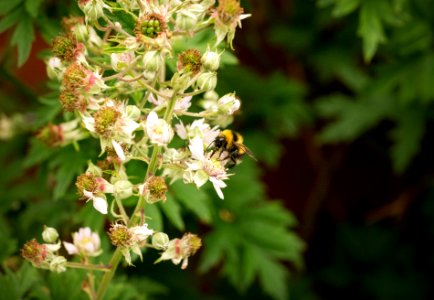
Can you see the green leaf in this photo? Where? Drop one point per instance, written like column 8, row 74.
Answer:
column 216, row 243
column 38, row 153
column 32, row 7
column 194, row 199
column 351, row 117
column 8, row 6
column 153, row 217
column 345, row 7
column 407, row 136
column 370, row 28
column 273, row 277
column 23, row 37
column 172, row 210
column 11, row 19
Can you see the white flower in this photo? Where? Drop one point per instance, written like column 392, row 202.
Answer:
column 202, row 168
column 141, row 233
column 181, row 104
column 197, row 129
column 85, row 243
column 158, row 131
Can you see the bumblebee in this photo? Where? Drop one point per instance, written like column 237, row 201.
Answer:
column 231, row 143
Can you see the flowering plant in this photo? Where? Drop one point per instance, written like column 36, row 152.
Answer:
column 125, row 82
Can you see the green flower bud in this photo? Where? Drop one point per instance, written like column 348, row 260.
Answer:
column 211, row 60
column 160, row 240
column 207, row 81
column 50, row 235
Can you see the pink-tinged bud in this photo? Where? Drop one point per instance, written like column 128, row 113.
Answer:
column 85, row 243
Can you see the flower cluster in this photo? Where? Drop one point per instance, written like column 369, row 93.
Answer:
column 114, row 84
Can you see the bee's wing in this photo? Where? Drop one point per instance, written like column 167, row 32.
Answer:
column 246, row 150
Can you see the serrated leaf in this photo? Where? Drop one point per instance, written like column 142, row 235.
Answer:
column 194, row 199
column 10, row 19
column 370, row 28
column 172, row 210
column 32, row 7
column 273, row 277
column 407, row 136
column 23, row 37
column 8, row 6
column 215, row 246
column 272, row 212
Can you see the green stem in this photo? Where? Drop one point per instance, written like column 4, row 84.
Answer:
column 152, row 167
column 76, row 265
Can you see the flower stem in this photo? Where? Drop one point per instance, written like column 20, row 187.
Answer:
column 76, row 265
column 152, row 167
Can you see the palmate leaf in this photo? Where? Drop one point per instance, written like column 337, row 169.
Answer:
column 351, row 117
column 172, row 210
column 252, row 237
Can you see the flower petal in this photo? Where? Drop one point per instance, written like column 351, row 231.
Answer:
column 100, row 204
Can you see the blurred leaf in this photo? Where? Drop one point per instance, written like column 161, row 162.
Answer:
column 23, row 37
column 194, row 199
column 172, row 210
column 371, row 28
column 32, row 7
column 10, row 19
column 7, row 6
column 16, row 285
column 407, row 136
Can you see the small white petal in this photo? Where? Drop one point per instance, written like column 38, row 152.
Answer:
column 100, row 204
column 119, row 151
column 70, row 248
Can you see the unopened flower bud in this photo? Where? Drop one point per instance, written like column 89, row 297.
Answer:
column 120, row 235
column 207, row 81
column 211, row 96
column 123, row 189
column 228, row 104
column 152, row 61
column 93, row 9
column 50, row 235
column 155, row 189
column 120, row 61
column 160, row 240
column 133, row 112
column 211, row 60
column 81, row 32
column 185, row 21
column 55, row 68
column 58, row 264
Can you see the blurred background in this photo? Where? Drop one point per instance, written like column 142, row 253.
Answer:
column 338, row 107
